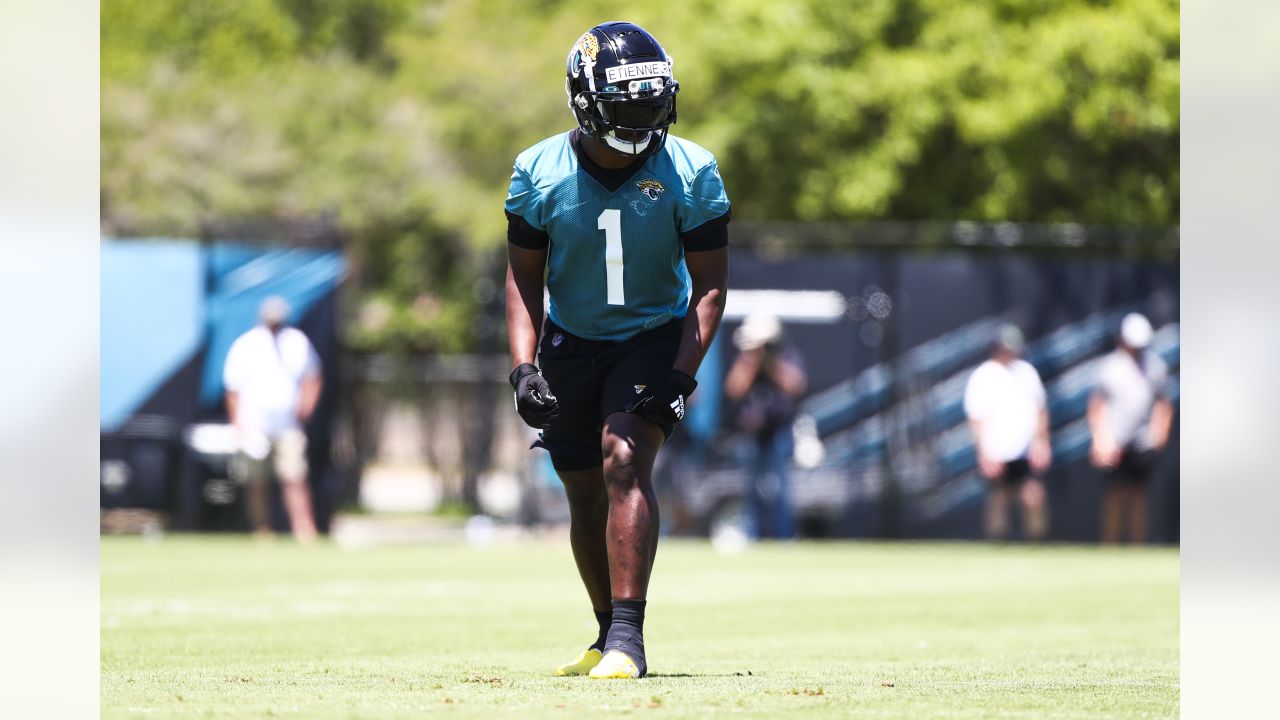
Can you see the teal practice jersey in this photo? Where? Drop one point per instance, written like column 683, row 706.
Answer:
column 615, row 260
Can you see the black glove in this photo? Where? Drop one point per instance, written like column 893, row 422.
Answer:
column 662, row 401
column 534, row 401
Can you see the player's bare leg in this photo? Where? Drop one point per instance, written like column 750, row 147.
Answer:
column 630, row 444
column 1035, row 516
column 588, row 518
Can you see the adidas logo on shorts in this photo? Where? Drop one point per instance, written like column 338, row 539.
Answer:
column 678, row 407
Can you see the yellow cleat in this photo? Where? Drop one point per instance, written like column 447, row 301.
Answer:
column 588, row 659
column 615, row 665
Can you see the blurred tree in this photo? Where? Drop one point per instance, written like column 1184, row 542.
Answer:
column 928, row 109
column 400, row 118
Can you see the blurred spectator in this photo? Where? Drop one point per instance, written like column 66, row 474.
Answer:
column 1129, row 417
column 273, row 382
column 1005, row 404
column 765, row 381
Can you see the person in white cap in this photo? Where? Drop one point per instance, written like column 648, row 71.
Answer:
column 765, row 381
column 1009, row 418
column 1129, row 418
column 272, row 379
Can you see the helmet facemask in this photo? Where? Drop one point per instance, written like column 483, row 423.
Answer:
column 630, row 122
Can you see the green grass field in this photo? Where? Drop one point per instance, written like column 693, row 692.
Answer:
column 197, row 627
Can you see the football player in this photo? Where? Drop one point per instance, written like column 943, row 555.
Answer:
column 630, row 227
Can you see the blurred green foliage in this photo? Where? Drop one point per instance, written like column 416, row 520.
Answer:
column 399, row 119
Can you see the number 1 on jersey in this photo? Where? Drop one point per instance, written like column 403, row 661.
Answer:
column 610, row 221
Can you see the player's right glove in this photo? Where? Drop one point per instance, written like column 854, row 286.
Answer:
column 534, row 401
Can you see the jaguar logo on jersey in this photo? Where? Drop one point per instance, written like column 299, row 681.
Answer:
column 651, row 188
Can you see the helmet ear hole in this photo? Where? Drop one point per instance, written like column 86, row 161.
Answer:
column 581, row 101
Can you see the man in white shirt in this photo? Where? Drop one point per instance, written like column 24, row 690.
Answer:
column 272, row 377
column 1005, row 404
column 1129, row 417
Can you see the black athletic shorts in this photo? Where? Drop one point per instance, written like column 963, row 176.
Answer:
column 1134, row 468
column 592, row 379
column 1016, row 472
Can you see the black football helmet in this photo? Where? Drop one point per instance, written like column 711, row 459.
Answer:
column 620, row 87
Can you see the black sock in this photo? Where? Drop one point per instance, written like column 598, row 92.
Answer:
column 604, row 619
column 627, row 631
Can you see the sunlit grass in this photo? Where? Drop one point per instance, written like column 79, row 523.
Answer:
column 201, row 627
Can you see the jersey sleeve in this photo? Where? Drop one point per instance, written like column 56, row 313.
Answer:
column 523, row 198
column 704, row 215
column 524, row 206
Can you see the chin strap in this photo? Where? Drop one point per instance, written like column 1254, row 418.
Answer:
column 624, row 147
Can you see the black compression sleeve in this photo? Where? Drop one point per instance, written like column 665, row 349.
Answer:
column 521, row 234
column 710, row 235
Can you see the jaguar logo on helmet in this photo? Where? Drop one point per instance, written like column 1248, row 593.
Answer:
column 651, row 188
column 583, row 55
column 589, row 45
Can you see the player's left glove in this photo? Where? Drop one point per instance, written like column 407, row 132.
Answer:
column 534, row 401
column 663, row 399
